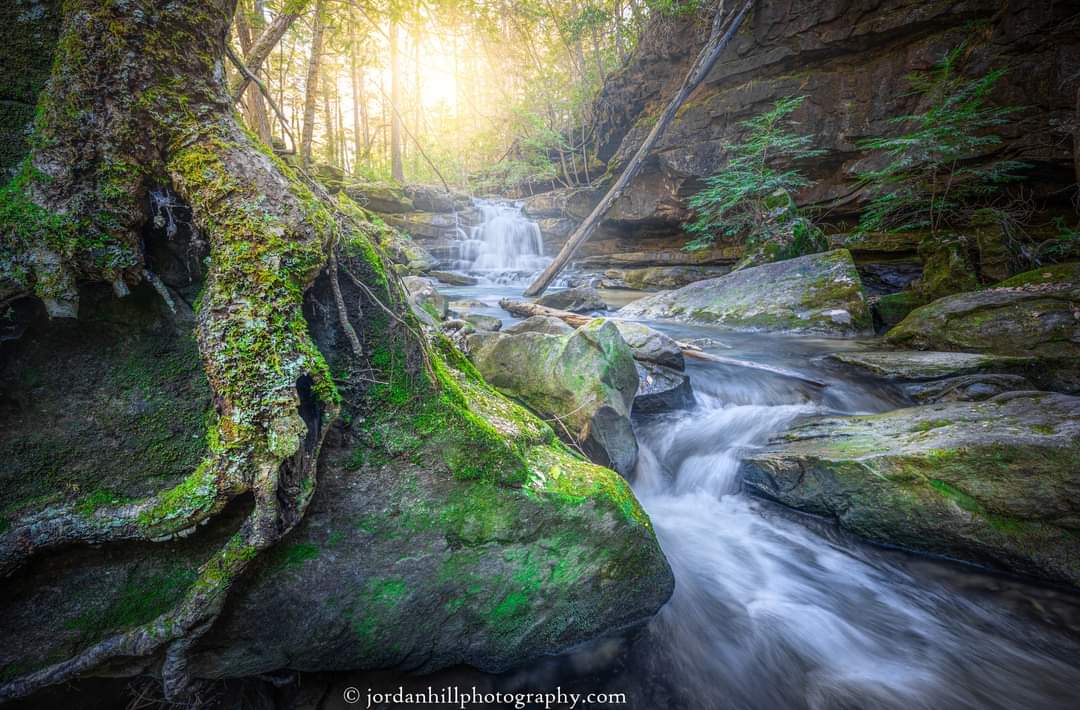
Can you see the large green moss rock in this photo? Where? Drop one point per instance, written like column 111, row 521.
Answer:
column 947, row 268
column 398, row 565
column 1036, row 316
column 420, row 549
column 584, row 380
column 818, row 293
column 994, row 482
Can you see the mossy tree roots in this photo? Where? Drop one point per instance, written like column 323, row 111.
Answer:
column 137, row 100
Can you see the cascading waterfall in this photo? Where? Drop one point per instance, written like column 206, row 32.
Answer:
column 505, row 246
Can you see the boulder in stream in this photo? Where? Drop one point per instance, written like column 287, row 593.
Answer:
column 583, row 380
column 818, row 293
column 581, row 299
column 927, row 376
column 994, row 482
column 1027, row 315
column 651, row 345
column 661, row 389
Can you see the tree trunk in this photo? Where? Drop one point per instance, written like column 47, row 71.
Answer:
column 261, row 47
column 361, row 139
column 705, row 61
column 113, row 125
column 329, row 134
column 254, row 104
column 397, row 170
column 311, row 88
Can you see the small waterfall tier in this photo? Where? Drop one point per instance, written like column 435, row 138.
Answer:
column 505, row 246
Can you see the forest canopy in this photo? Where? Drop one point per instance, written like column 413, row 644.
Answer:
column 485, row 94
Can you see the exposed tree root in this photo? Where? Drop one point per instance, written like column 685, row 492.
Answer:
column 270, row 236
column 172, row 513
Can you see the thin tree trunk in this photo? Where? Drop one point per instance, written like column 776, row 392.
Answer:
column 254, row 105
column 397, row 170
column 329, row 134
column 705, row 61
column 261, row 47
column 311, row 89
column 417, row 94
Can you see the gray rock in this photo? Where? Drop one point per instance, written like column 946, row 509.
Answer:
column 994, row 482
column 425, row 297
column 454, row 278
column 540, row 324
column 650, row 344
column 818, row 293
column 482, row 322
column 582, row 299
column 661, row 389
column 929, row 365
column 584, row 380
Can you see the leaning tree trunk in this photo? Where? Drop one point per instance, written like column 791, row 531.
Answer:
column 724, row 28
column 137, row 101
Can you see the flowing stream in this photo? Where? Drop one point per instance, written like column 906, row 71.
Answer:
column 773, row 609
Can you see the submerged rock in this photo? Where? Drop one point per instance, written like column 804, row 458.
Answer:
column 483, row 322
column 818, row 293
column 582, row 299
column 454, row 278
column 928, row 377
column 585, row 380
column 994, row 482
column 929, row 365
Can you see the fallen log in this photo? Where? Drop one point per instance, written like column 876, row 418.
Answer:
column 524, row 309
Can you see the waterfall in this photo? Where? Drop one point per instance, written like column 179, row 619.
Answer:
column 504, row 246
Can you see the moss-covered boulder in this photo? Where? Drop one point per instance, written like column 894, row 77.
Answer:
column 994, row 482
column 892, row 308
column 583, row 380
column 1029, row 314
column 381, row 197
column 398, row 565
column 818, row 293
column 947, row 267
column 448, row 525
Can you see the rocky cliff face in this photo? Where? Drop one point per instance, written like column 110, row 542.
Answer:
column 850, row 58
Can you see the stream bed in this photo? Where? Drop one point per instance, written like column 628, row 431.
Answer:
column 775, row 609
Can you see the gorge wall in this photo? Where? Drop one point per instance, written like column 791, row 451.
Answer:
column 850, row 58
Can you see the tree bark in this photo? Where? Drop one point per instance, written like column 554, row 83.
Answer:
column 311, row 88
column 705, row 61
column 114, row 123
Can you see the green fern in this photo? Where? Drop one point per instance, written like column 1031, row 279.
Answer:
column 931, row 180
column 751, row 196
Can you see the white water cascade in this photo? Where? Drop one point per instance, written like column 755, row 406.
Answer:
column 506, row 246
